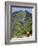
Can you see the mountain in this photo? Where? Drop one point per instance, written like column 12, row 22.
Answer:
column 21, row 22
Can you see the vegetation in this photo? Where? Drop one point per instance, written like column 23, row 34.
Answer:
column 21, row 23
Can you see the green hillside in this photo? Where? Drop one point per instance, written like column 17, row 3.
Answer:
column 21, row 23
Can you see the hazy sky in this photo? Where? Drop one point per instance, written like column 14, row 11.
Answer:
column 23, row 9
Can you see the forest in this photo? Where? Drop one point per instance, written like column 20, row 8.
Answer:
column 21, row 24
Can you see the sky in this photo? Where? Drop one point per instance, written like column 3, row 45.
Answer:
column 23, row 9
